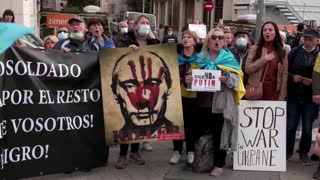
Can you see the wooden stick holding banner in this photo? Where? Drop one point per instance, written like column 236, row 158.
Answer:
column 261, row 136
column 205, row 80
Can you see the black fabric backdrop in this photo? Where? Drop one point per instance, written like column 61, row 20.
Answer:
column 68, row 149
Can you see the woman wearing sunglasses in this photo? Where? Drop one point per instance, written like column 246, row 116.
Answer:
column 268, row 62
column 219, row 109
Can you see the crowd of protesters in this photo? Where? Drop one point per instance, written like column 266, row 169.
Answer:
column 283, row 61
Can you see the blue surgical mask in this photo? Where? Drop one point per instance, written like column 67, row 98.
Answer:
column 124, row 30
column 62, row 35
column 308, row 50
column 77, row 36
column 241, row 42
column 144, row 30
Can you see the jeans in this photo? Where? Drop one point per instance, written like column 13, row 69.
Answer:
column 305, row 110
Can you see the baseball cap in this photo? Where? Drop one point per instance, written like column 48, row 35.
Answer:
column 311, row 33
column 241, row 31
column 76, row 18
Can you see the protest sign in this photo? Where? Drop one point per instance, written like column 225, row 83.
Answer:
column 141, row 94
column 205, row 80
column 200, row 29
column 51, row 117
column 261, row 136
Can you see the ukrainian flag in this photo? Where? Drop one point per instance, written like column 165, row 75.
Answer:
column 11, row 32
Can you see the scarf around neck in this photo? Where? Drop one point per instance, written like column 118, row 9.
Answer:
column 224, row 58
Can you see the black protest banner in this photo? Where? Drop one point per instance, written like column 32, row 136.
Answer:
column 51, row 118
column 261, row 136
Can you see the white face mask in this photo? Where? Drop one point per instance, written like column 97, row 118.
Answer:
column 241, row 42
column 144, row 30
column 124, row 30
column 309, row 50
column 62, row 35
column 170, row 33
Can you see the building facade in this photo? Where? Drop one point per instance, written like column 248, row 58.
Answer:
column 26, row 11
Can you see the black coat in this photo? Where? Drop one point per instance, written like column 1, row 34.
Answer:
column 300, row 63
column 131, row 39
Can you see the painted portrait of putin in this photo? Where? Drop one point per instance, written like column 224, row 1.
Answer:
column 141, row 84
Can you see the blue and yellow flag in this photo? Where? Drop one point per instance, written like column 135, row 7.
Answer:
column 11, row 32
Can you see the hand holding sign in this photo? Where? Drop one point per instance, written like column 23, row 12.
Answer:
column 206, row 80
column 188, row 79
column 223, row 79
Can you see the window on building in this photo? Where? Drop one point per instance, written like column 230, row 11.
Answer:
column 113, row 8
column 218, row 11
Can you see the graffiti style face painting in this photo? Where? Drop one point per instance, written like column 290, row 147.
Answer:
column 141, row 84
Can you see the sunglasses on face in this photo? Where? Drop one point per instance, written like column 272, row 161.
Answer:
column 214, row 37
column 63, row 31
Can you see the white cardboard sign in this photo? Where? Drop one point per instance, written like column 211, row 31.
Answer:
column 261, row 136
column 205, row 80
column 200, row 29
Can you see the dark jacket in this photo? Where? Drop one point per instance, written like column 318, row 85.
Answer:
column 118, row 39
column 130, row 39
column 170, row 39
column 88, row 44
column 242, row 59
column 316, row 77
column 300, row 63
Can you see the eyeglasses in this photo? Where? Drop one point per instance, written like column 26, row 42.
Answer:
column 63, row 31
column 214, row 37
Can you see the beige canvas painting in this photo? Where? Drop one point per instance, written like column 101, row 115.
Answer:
column 141, row 94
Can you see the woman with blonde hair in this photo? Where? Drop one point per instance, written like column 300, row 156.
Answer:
column 50, row 41
column 219, row 109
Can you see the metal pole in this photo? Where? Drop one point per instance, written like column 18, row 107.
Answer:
column 143, row 6
column 304, row 5
column 208, row 21
column 260, row 18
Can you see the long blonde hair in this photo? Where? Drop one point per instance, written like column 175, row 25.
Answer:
column 205, row 48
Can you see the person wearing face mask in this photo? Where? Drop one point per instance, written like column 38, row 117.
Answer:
column 77, row 40
column 140, row 35
column 170, row 37
column 299, row 101
column 62, row 32
column 122, row 32
column 241, row 50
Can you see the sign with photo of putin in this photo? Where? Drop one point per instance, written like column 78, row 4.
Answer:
column 141, row 94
